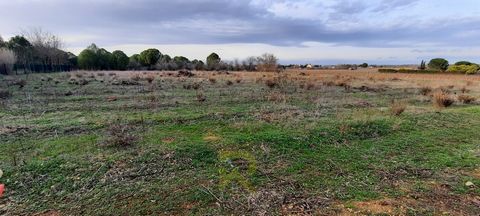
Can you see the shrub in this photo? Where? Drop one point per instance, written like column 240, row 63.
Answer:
column 438, row 64
column 121, row 135
column 466, row 99
column 464, row 69
column 201, row 97
column 397, row 108
column 20, row 83
column 425, row 90
column 442, row 99
column 136, row 77
column 150, row 78
column 463, row 63
column 229, row 83
column 271, row 83
column 5, row 94
column 212, row 80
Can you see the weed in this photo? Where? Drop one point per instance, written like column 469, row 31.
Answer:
column 5, row 94
column 466, row 99
column 442, row 99
column 271, row 83
column 426, row 90
column 397, row 107
column 121, row 135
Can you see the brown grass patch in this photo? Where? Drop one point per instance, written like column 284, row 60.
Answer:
column 397, row 107
column 121, row 135
column 442, row 99
column 425, row 90
column 466, row 99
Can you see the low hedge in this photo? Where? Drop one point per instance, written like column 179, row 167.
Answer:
column 405, row 70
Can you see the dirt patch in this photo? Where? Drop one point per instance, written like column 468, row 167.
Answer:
column 211, row 138
column 13, row 130
column 168, row 140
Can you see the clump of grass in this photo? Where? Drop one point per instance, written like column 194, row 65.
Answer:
column 442, row 99
column 5, row 94
column 310, row 86
column 271, row 83
column 112, row 74
column 425, row 90
column 136, row 77
column 150, row 78
column 229, row 83
column 196, row 86
column 79, row 75
column 20, row 83
column 397, row 107
column 121, row 135
column 464, row 90
column 201, row 97
column 212, row 80
column 101, row 74
column 466, row 99
column 238, row 80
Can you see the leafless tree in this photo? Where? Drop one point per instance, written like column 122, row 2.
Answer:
column 47, row 46
column 267, row 62
column 7, row 59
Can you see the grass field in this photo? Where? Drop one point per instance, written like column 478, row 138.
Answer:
column 296, row 143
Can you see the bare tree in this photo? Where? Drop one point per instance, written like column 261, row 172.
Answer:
column 267, row 62
column 7, row 59
column 47, row 47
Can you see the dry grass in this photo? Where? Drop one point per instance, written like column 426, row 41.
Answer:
column 121, row 135
column 397, row 107
column 271, row 83
column 425, row 90
column 442, row 99
column 466, row 99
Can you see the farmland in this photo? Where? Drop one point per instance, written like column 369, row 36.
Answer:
column 326, row 142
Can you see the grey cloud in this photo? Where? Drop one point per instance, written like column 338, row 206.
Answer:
column 222, row 21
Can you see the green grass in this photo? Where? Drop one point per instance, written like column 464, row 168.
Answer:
column 262, row 152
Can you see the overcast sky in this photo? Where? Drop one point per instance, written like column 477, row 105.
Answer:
column 297, row 31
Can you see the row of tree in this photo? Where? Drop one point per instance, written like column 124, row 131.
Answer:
column 40, row 51
column 440, row 64
column 34, row 51
column 95, row 58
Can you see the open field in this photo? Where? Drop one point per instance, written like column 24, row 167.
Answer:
column 216, row 143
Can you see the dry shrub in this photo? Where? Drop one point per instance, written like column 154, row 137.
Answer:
column 5, row 94
column 111, row 98
column 276, row 97
column 271, row 83
column 426, row 90
column 150, row 78
column 442, row 99
column 136, row 77
column 121, row 135
column 112, row 74
column 466, row 99
column 20, row 83
column 101, row 74
column 397, row 107
column 79, row 75
column 310, row 86
column 238, row 80
column 196, row 86
column 91, row 76
column 212, row 80
column 201, row 97
column 229, row 83
column 464, row 90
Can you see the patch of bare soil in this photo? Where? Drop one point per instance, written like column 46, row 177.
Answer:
column 4, row 130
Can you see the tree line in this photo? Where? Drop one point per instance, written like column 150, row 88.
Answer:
column 95, row 58
column 34, row 51
column 40, row 51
